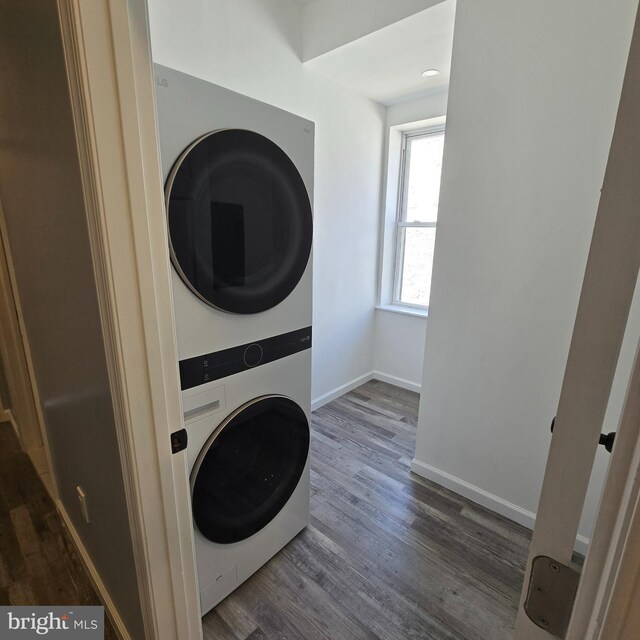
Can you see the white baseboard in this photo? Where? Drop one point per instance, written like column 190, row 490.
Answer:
column 484, row 498
column 339, row 391
column 398, row 382
column 373, row 375
column 109, row 606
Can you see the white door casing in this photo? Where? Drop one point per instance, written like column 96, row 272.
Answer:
column 604, row 607
column 107, row 50
column 14, row 350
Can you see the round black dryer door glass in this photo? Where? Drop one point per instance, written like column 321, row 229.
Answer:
column 249, row 468
column 240, row 221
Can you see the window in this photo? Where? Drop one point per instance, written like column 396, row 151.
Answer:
column 417, row 215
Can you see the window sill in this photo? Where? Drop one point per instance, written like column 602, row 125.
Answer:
column 407, row 311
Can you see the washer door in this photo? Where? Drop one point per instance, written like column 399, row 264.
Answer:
column 249, row 468
column 240, row 222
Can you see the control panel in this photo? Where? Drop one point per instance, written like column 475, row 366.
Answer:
column 220, row 364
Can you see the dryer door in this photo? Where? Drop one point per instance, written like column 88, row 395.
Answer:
column 248, row 469
column 240, row 222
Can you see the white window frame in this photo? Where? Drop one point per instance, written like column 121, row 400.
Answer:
column 403, row 186
column 389, row 212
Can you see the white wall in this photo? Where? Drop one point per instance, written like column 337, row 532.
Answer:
column 46, row 221
column 252, row 46
column 324, row 31
column 399, row 347
column 399, row 338
column 532, row 103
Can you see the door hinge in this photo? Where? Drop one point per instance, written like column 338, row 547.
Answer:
column 552, row 592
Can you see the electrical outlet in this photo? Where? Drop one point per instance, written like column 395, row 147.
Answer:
column 82, row 496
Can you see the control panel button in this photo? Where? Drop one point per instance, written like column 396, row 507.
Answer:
column 253, row 355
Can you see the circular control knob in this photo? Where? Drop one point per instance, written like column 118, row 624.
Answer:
column 253, row 355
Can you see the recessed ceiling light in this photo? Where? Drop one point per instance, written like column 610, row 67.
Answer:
column 429, row 73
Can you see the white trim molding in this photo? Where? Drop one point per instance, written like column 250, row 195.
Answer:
column 392, row 169
column 25, row 411
column 397, row 382
column 356, row 382
column 340, row 391
column 98, row 584
column 606, row 606
column 418, row 312
column 108, row 56
column 485, row 499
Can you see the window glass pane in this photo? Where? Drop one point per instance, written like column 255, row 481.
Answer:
column 417, row 264
column 423, row 182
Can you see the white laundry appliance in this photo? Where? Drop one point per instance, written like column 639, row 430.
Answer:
column 248, row 457
column 238, row 186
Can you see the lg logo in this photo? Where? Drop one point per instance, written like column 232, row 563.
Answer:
column 162, row 82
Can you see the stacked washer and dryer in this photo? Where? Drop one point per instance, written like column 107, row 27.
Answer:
column 239, row 184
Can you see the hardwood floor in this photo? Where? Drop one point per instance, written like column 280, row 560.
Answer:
column 387, row 555
column 38, row 563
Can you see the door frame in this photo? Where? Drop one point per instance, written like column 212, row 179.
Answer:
column 610, row 581
column 108, row 59
column 25, row 413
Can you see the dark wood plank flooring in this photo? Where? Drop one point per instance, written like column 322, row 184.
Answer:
column 39, row 565
column 387, row 555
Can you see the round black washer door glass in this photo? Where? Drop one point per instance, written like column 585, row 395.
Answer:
column 248, row 470
column 240, row 221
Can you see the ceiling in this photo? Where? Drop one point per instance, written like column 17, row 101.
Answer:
column 386, row 65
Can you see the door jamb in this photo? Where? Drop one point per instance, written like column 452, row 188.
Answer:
column 107, row 51
column 33, row 434
column 609, row 582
